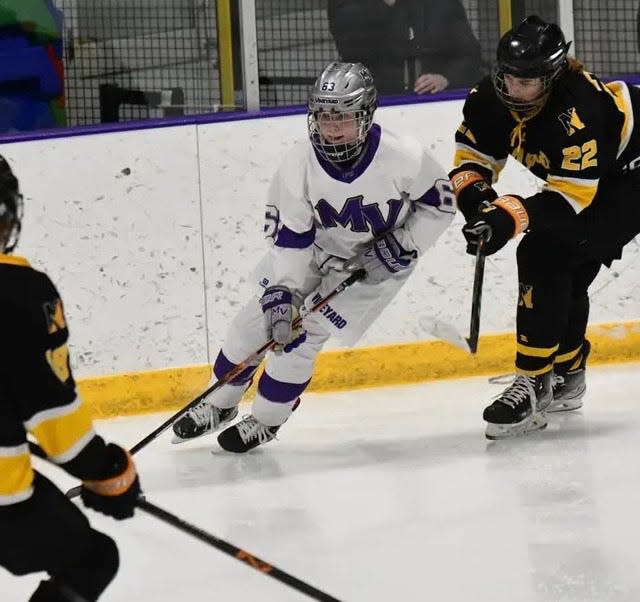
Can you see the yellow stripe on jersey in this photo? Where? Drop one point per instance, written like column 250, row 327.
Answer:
column 62, row 432
column 536, row 351
column 14, row 260
column 623, row 102
column 578, row 192
column 16, row 474
column 467, row 154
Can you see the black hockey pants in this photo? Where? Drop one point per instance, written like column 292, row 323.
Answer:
column 49, row 533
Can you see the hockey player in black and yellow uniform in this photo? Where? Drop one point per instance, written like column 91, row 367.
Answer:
column 40, row 529
column 582, row 137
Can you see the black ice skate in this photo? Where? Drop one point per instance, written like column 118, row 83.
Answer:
column 520, row 408
column 246, row 435
column 249, row 433
column 201, row 420
column 570, row 386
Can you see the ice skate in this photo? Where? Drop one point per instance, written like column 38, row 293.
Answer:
column 520, row 408
column 203, row 419
column 246, row 435
column 570, row 386
column 249, row 433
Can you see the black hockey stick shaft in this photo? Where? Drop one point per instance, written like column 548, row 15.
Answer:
column 239, row 554
column 231, row 374
column 476, row 298
column 220, row 544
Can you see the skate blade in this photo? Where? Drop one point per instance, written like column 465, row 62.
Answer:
column 565, row 406
column 177, row 439
column 495, row 432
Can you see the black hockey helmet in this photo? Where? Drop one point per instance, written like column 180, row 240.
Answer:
column 533, row 49
column 11, row 208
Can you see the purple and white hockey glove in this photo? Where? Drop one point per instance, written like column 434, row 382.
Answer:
column 279, row 311
column 384, row 258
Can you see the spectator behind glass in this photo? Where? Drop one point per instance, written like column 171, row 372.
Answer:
column 421, row 46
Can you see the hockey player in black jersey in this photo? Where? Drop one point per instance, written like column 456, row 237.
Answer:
column 40, row 529
column 580, row 136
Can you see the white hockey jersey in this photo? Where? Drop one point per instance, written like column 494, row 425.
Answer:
column 395, row 185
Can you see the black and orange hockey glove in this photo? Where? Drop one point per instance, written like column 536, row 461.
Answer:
column 497, row 223
column 117, row 493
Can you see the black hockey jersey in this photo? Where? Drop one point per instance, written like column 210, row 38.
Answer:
column 37, row 389
column 583, row 133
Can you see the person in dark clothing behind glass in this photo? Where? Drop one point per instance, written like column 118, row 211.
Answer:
column 420, row 46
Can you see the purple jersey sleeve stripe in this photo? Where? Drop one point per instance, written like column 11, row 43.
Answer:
column 295, row 240
column 431, row 197
column 222, row 366
column 279, row 391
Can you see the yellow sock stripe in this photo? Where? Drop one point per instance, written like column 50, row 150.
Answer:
column 567, row 357
column 546, row 368
column 536, row 351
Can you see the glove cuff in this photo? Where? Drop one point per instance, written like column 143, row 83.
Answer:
column 514, row 206
column 275, row 295
column 471, row 189
column 125, row 474
column 397, row 243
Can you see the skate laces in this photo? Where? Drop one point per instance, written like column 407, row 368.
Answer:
column 249, row 428
column 509, row 377
column 203, row 414
column 518, row 391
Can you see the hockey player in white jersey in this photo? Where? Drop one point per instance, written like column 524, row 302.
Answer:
column 358, row 194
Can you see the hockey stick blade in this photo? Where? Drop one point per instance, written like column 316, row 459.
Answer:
column 354, row 277
column 445, row 332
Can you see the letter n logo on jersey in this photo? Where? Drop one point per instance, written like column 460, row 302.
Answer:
column 54, row 315
column 570, row 121
column 358, row 216
column 526, row 296
column 57, row 358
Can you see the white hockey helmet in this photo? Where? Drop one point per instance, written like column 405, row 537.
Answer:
column 344, row 90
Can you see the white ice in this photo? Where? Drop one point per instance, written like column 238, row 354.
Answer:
column 393, row 494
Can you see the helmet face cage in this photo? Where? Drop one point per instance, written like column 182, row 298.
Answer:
column 532, row 50
column 11, row 212
column 344, row 94
column 514, row 104
column 11, row 208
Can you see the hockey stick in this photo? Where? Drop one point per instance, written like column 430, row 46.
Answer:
column 447, row 332
column 220, row 544
column 352, row 279
column 237, row 553
column 476, row 298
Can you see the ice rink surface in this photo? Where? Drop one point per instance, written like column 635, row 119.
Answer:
column 393, row 494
